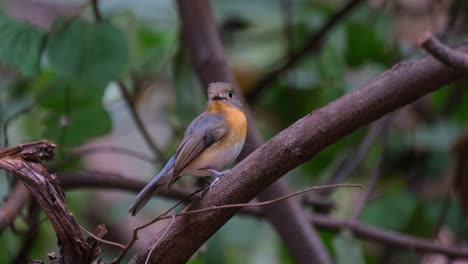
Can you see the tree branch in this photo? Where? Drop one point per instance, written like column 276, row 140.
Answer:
column 139, row 121
column 311, row 45
column 375, row 174
column 14, row 202
column 444, row 54
column 24, row 161
column 395, row 88
column 289, row 219
column 358, row 156
column 388, row 238
column 363, row 231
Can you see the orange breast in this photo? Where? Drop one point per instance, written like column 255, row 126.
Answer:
column 235, row 118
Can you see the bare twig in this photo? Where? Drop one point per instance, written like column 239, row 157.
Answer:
column 453, row 99
column 24, row 161
column 139, row 122
column 226, row 206
column 448, row 56
column 375, row 174
column 257, row 204
column 96, row 12
column 11, row 119
column 116, row 150
column 311, row 45
column 114, row 244
column 161, row 237
column 286, row 10
column 360, row 154
column 30, row 235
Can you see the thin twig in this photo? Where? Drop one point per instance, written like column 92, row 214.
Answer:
column 227, row 206
column 311, row 45
column 117, row 150
column 377, row 235
column 96, row 12
column 11, row 119
column 138, row 121
column 129, row 100
column 376, row 172
column 286, row 9
column 442, row 215
column 64, row 121
column 160, row 238
column 30, row 235
column 136, row 229
column 443, row 53
column 115, row 244
column 165, row 216
column 360, row 154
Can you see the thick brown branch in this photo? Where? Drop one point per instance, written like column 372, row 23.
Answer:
column 44, row 187
column 311, row 45
column 288, row 218
column 395, row 88
column 444, row 54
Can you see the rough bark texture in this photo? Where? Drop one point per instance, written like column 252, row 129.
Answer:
column 23, row 161
column 395, row 88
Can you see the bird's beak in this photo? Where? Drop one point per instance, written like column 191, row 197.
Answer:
column 217, row 97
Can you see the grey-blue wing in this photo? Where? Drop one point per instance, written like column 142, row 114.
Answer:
column 204, row 130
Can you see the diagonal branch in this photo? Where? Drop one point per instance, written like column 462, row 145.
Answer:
column 403, row 84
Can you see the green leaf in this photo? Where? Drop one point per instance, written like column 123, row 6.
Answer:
column 83, row 124
column 60, row 94
column 95, row 53
column 154, row 47
column 348, row 250
column 21, row 44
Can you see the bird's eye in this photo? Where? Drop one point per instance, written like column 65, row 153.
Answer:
column 230, row 94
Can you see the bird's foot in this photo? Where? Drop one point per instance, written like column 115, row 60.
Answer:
column 218, row 175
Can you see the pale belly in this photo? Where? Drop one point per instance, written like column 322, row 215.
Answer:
column 215, row 157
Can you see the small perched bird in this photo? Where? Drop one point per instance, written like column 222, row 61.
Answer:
column 212, row 141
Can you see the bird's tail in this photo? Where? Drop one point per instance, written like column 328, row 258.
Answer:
column 151, row 188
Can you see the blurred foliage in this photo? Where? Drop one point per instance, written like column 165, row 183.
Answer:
column 67, row 73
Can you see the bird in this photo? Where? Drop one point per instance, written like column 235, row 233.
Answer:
column 211, row 142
